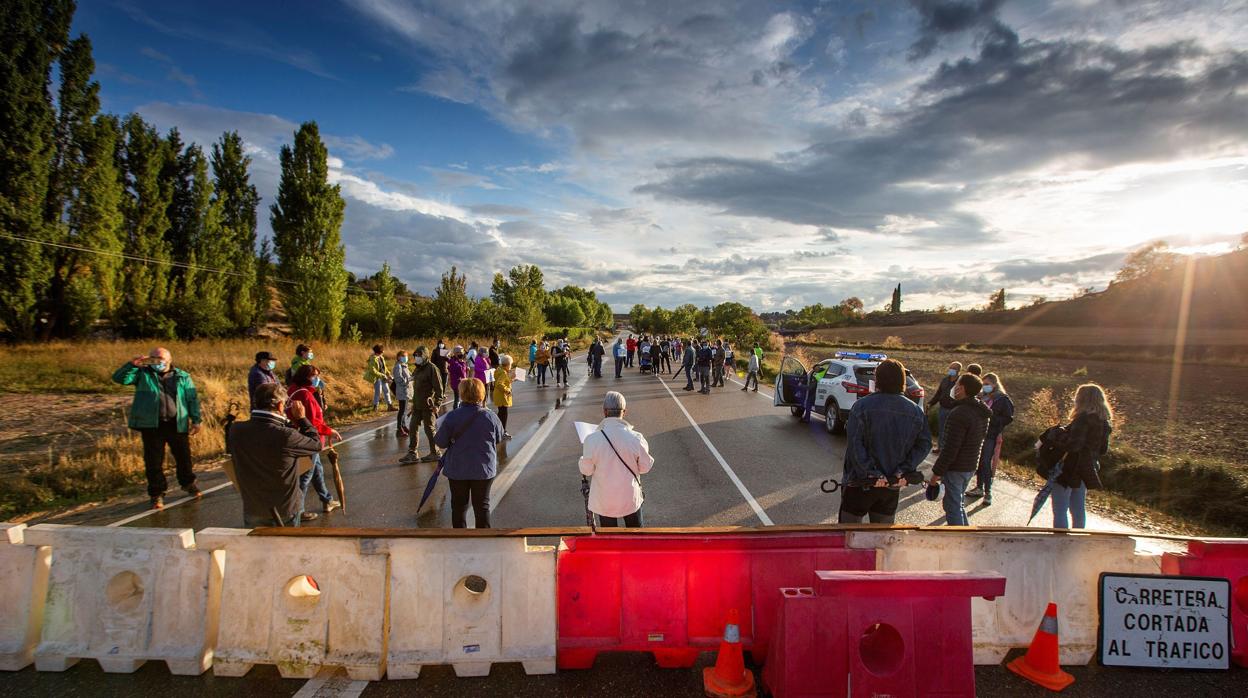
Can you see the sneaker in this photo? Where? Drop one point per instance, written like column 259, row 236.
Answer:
column 507, row 435
column 743, row 390
column 433, row 457
column 411, row 457
column 193, row 491
column 331, row 505
column 308, row 516
column 987, row 499
column 976, row 493
column 158, row 503
column 936, row 450
column 756, row 390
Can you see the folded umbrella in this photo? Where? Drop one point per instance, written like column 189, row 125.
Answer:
column 1041, row 497
column 338, row 484
column 433, row 480
column 589, row 515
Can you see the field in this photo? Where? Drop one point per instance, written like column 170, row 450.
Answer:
column 954, row 335
column 1185, row 455
column 63, row 437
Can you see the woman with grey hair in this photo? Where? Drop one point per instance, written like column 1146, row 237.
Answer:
column 615, row 457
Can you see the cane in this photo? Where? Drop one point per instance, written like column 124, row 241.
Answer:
column 589, row 515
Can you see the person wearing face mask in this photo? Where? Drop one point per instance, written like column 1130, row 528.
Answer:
column 994, row 396
column 944, row 401
column 303, row 355
column 265, row 450
column 441, row 355
column 261, row 373
column 426, row 398
column 543, row 363
column 165, row 412
column 402, row 378
column 620, row 352
column 456, row 371
column 964, row 431
column 302, row 391
column 493, row 360
column 560, row 356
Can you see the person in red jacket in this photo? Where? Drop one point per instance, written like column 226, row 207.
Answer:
column 631, row 346
column 302, row 389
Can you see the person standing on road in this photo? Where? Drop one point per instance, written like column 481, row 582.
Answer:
column 656, row 356
column 631, row 345
column 688, row 358
column 302, row 390
column 812, row 389
column 265, row 450
column 480, row 364
column 705, row 356
column 543, row 363
column 752, row 372
column 377, row 374
column 965, row 430
column 665, row 354
column 997, row 400
column 596, row 352
column 888, row 438
column 470, row 435
column 426, row 395
column 532, row 355
column 944, row 399
column 165, row 412
column 440, row 359
column 717, row 365
column 1086, row 442
column 402, row 379
column 261, row 373
column 502, row 390
column 614, row 458
column 494, row 357
column 560, row 356
column 303, row 355
column 457, row 371
column 621, row 357
column 975, row 370
column 758, row 351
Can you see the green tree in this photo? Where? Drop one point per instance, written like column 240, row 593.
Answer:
column 639, row 317
column 489, row 319
column 997, row 301
column 451, row 305
column 385, row 305
column 737, row 323
column 95, row 220
column 145, row 207
column 566, row 312
column 307, row 237
column 238, row 199
column 684, row 318
column 1149, row 259
column 895, row 306
column 35, row 33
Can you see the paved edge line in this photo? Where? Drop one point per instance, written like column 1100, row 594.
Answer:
column 749, row 498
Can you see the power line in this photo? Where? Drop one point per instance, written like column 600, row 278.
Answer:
column 167, row 262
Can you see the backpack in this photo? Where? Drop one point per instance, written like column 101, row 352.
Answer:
column 1050, row 450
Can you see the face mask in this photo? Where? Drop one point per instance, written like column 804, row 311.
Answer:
column 420, row 360
column 271, row 365
column 403, row 360
column 953, row 373
column 160, row 367
column 309, row 356
column 316, row 382
column 987, row 389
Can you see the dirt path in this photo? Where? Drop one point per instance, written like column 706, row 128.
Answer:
column 39, row 428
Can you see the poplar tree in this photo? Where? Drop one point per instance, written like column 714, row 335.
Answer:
column 35, row 33
column 452, row 308
column 385, row 305
column 145, row 284
column 307, row 237
column 237, row 197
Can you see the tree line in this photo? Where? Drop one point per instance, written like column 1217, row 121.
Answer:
column 732, row 321
column 105, row 220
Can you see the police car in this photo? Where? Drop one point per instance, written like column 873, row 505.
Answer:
column 846, row 377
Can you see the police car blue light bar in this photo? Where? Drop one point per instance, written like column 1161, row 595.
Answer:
column 860, row 355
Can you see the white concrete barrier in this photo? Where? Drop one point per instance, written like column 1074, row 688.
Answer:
column 272, row 613
column 1039, row 568
column 23, row 586
column 470, row 602
column 123, row 596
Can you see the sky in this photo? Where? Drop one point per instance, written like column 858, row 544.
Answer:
column 778, row 154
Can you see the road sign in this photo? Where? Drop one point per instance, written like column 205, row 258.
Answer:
column 1166, row 622
column 703, row 331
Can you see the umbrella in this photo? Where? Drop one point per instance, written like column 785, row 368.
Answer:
column 338, row 484
column 1041, row 497
column 433, row 480
column 589, row 515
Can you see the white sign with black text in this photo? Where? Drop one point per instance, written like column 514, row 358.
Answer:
column 1165, row 622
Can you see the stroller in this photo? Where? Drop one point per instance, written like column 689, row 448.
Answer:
column 645, row 363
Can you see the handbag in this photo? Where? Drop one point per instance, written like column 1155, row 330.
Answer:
column 636, row 478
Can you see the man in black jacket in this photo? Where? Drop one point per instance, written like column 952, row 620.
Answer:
column 265, row 449
column 965, row 429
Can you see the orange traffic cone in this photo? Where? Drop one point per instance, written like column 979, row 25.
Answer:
column 729, row 678
column 1040, row 664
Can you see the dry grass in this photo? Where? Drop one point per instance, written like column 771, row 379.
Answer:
column 47, row 460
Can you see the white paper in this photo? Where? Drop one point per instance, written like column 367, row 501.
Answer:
column 521, row 374
column 444, row 352
column 584, row 429
column 489, row 376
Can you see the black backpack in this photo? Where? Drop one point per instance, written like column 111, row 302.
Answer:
column 1050, row 450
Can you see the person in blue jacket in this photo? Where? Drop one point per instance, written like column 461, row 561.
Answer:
column 469, row 437
column 888, row 438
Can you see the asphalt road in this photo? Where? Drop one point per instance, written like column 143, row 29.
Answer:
column 729, row 458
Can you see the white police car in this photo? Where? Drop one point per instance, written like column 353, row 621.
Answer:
column 845, row 378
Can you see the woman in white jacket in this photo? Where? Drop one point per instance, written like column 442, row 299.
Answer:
column 615, row 457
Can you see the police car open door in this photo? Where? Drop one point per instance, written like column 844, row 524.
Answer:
column 790, row 383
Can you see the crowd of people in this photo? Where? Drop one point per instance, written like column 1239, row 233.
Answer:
column 888, row 434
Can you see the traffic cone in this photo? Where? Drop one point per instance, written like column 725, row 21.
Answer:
column 729, row 677
column 1040, row 665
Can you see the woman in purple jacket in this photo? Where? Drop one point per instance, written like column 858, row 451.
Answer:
column 456, row 370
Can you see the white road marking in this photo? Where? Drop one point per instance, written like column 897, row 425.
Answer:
column 749, row 498
column 331, row 683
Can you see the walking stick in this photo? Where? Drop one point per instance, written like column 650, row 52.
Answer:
column 589, row 515
column 338, row 483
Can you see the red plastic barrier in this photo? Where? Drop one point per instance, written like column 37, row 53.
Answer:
column 877, row 633
column 1226, row 559
column 667, row 594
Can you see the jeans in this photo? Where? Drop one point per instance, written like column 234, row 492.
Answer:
column 631, row 352
column 561, row 372
column 381, row 389
column 751, row 376
column 1073, row 501
column 476, row 490
column 154, row 441
column 955, row 500
column 689, row 375
column 541, row 374
column 942, row 415
column 315, row 476
column 632, row 520
column 619, row 366
column 598, row 366
column 988, row 457
column 402, row 411
column 808, row 403
column 704, row 379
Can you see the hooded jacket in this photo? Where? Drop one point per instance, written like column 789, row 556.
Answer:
column 888, row 437
column 965, row 430
column 1086, row 441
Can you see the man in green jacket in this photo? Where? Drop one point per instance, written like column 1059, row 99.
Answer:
column 425, row 393
column 165, row 412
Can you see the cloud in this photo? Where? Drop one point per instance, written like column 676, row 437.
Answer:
column 941, row 18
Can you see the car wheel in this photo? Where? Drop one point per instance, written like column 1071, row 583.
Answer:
column 795, row 410
column 830, row 417
column 837, row 425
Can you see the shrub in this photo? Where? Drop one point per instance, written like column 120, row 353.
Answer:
column 893, row 342
column 1082, row 371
